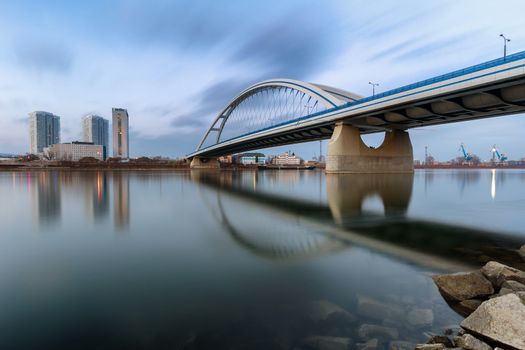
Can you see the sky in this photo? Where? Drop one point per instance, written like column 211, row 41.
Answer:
column 175, row 64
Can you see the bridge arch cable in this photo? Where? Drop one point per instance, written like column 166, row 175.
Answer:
column 266, row 105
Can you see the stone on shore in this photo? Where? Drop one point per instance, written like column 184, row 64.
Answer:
column 500, row 319
column 420, row 317
column 521, row 252
column 513, row 286
column 463, row 286
column 466, row 307
column 430, row 347
column 367, row 331
column 322, row 310
column 498, row 273
column 440, row 339
column 328, row 343
column 372, row 344
column 469, row 342
column 377, row 310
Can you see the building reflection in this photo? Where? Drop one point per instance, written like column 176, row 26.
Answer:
column 46, row 198
column 96, row 195
column 121, row 200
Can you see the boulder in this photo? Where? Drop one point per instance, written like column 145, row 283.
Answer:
column 498, row 273
column 420, row 317
column 500, row 319
column 521, row 252
column 328, row 343
column 430, row 347
column 377, row 310
column 322, row 310
column 372, row 344
column 514, row 286
column 463, row 286
column 367, row 331
column 440, row 339
column 469, row 342
column 466, row 307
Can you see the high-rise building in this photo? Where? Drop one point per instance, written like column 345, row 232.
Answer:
column 96, row 130
column 44, row 130
column 120, row 133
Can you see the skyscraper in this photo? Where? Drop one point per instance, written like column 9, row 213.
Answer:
column 44, row 130
column 120, row 133
column 96, row 130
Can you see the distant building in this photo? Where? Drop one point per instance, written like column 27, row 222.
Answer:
column 226, row 159
column 44, row 130
column 75, row 151
column 251, row 158
column 287, row 158
column 96, row 130
column 120, row 133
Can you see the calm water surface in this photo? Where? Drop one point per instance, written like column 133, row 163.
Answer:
column 240, row 260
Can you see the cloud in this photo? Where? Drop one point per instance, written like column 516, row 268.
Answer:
column 43, row 56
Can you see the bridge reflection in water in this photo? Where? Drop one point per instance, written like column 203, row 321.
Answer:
column 283, row 227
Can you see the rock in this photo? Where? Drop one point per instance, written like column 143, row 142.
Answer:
column 469, row 342
column 466, row 307
column 321, row 310
column 328, row 343
column 401, row 345
column 501, row 319
column 503, row 291
column 463, row 286
column 420, row 317
column 367, row 331
column 377, row 310
column 451, row 329
column 514, row 286
column 430, row 347
column 498, row 273
column 440, row 339
column 372, row 344
column 521, row 252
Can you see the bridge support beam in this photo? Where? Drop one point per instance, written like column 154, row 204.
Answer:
column 204, row 163
column 347, row 153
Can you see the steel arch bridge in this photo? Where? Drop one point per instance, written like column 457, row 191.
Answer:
column 283, row 111
column 272, row 103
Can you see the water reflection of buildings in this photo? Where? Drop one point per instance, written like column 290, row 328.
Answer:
column 96, row 195
column 121, row 200
column 301, row 228
column 46, row 198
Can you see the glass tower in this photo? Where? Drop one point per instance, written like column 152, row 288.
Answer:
column 120, row 133
column 44, row 130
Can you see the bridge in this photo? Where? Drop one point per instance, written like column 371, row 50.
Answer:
column 284, row 111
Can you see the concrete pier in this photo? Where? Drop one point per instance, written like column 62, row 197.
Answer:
column 204, row 163
column 347, row 153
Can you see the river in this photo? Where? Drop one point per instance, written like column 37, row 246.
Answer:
column 241, row 260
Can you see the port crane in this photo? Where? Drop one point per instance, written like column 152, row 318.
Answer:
column 467, row 156
column 495, row 153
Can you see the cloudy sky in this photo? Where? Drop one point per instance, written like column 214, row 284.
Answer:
column 174, row 64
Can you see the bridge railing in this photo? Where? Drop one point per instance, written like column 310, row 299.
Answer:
column 455, row 74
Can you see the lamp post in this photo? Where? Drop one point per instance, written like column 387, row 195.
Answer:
column 373, row 87
column 505, row 41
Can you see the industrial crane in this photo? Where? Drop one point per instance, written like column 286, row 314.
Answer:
column 467, row 156
column 495, row 153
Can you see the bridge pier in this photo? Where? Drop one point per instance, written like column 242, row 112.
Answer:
column 204, row 163
column 347, row 153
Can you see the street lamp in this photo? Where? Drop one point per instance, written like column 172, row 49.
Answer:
column 373, row 87
column 505, row 41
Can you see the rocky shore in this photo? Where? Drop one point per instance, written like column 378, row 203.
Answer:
column 493, row 301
